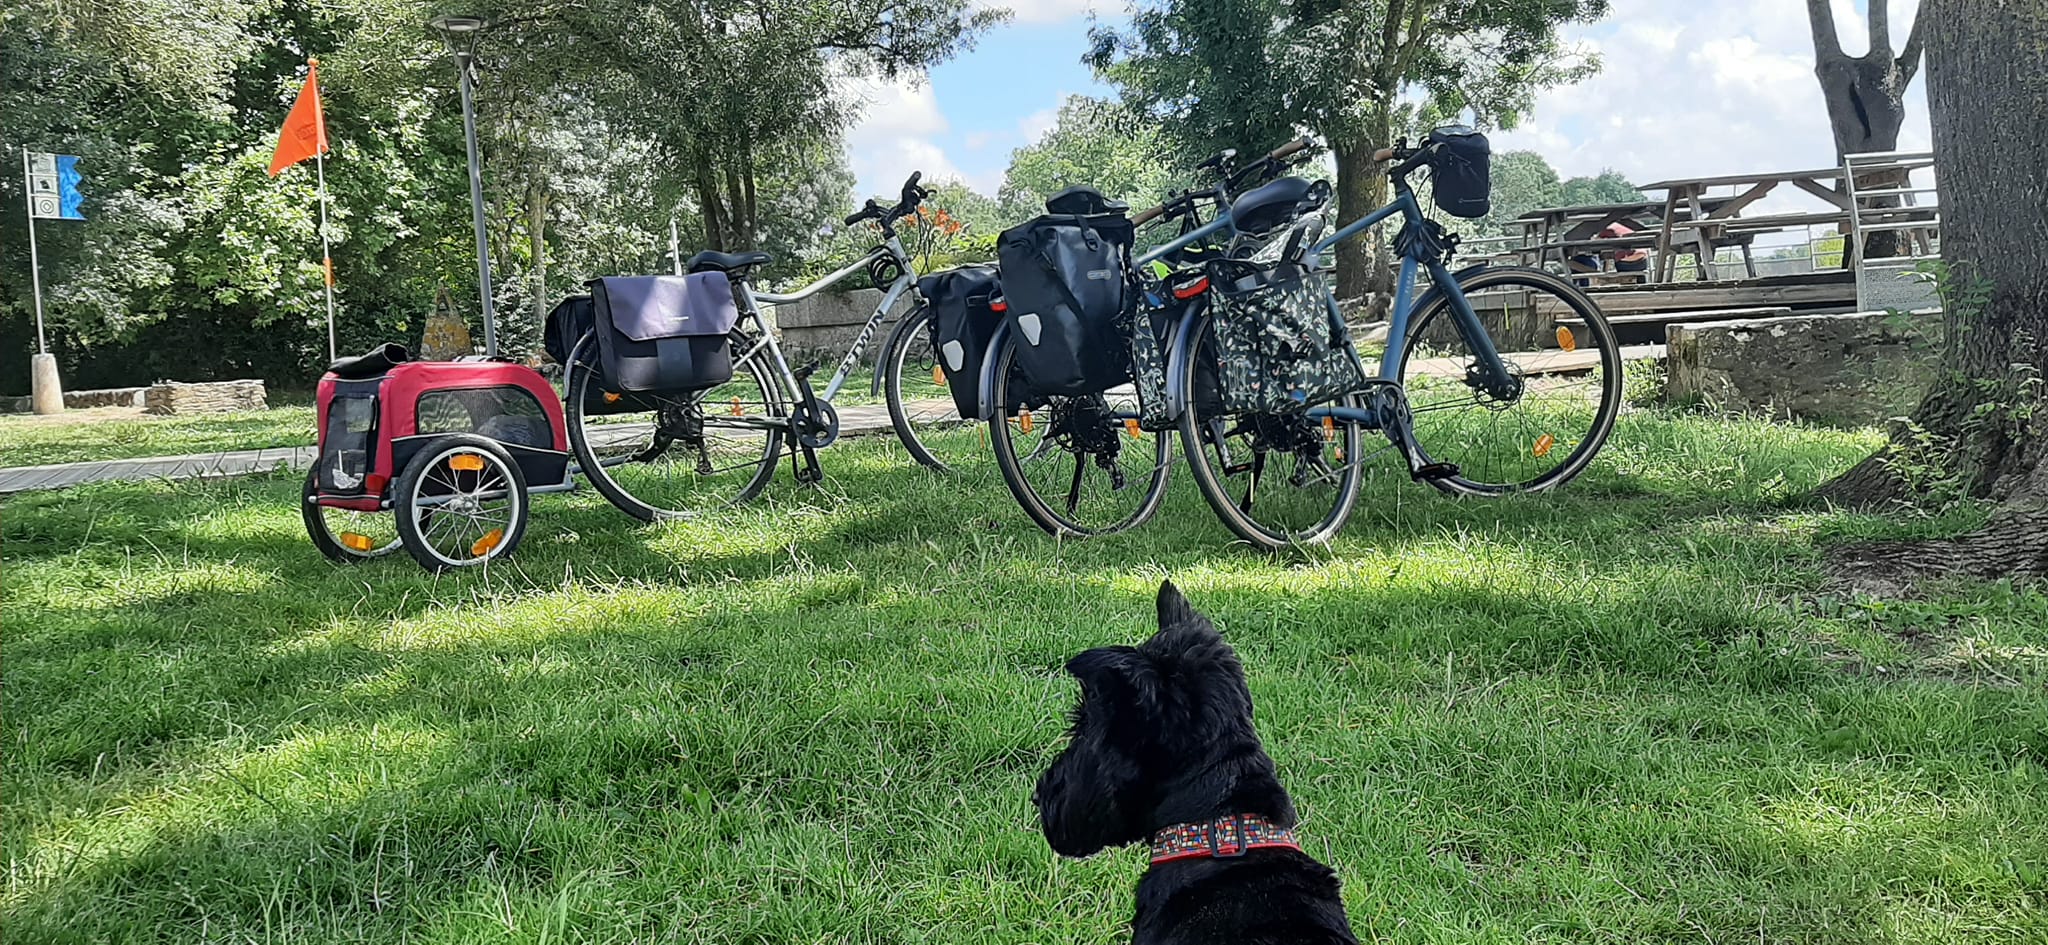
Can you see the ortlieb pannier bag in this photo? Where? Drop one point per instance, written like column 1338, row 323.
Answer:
column 1063, row 277
column 1281, row 346
column 664, row 333
column 961, row 325
column 1461, row 176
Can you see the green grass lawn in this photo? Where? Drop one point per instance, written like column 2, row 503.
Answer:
column 101, row 434
column 1627, row 713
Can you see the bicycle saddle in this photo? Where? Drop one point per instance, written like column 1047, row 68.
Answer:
column 1269, row 206
column 713, row 260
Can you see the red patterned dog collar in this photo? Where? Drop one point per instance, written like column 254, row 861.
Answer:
column 1223, row 837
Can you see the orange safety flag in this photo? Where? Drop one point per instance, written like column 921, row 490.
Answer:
column 305, row 129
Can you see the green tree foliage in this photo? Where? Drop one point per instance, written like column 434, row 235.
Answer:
column 1607, row 187
column 1522, row 181
column 1091, row 142
column 1249, row 74
column 601, row 120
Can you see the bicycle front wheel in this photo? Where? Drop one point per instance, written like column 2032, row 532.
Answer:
column 1078, row 466
column 1276, row 480
column 661, row 456
column 1566, row 393
column 921, row 406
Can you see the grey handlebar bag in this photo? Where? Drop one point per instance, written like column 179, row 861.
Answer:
column 665, row 333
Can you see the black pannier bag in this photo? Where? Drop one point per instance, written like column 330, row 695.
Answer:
column 664, row 333
column 572, row 318
column 1281, row 347
column 961, row 325
column 1063, row 277
column 1461, row 175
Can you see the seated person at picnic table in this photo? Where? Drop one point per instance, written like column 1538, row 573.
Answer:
column 1625, row 260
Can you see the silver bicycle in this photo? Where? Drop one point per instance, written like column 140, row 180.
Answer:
column 666, row 456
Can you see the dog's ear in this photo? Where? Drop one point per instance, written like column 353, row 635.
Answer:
column 1182, row 628
column 1174, row 608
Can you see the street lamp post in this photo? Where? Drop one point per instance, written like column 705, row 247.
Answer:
column 461, row 32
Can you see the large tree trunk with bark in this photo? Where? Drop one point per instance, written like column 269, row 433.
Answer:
column 536, row 232
column 1363, row 272
column 1866, row 98
column 1987, row 90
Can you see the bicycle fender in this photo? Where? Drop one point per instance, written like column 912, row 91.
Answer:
column 1180, row 351
column 895, row 335
column 987, row 389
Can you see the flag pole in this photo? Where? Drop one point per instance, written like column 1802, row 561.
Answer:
column 35, row 268
column 320, row 168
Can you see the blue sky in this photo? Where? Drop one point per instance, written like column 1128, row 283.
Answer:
column 1686, row 89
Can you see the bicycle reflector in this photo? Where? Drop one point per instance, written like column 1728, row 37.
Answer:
column 490, row 540
column 1192, row 289
column 1024, row 421
column 1544, row 444
column 736, row 407
column 1131, row 427
column 356, row 542
column 939, row 375
column 466, row 462
column 998, row 306
column 1566, row 340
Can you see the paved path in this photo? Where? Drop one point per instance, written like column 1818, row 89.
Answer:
column 853, row 421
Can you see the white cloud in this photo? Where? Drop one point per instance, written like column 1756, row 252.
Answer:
column 900, row 122
column 1049, row 11
column 1034, row 126
column 1701, row 90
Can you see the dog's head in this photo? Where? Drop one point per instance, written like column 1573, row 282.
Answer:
column 1152, row 722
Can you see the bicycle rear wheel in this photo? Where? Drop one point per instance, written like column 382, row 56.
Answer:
column 1078, row 466
column 676, row 456
column 1275, row 480
column 921, row 406
column 1567, row 394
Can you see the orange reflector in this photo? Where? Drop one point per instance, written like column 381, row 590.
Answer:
column 1566, row 340
column 1192, row 289
column 1024, row 421
column 938, row 375
column 1339, row 453
column 612, row 398
column 375, row 482
column 466, row 462
column 1329, row 429
column 356, row 542
column 490, row 540
column 735, row 406
column 1544, row 443
column 1131, row 427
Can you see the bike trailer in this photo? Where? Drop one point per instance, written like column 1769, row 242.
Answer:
column 961, row 325
column 664, row 333
column 1064, row 276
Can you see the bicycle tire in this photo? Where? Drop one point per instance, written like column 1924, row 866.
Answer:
column 1233, row 494
column 1486, row 470
column 1009, row 393
column 422, row 529
column 913, row 335
column 599, row 454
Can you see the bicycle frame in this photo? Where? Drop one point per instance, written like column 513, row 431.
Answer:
column 891, row 250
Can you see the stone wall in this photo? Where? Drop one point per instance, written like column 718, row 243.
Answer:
column 1845, row 369
column 171, row 397
column 82, row 399
column 824, row 325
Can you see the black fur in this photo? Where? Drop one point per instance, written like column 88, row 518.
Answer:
column 1163, row 735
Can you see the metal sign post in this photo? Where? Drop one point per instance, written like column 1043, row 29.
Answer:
column 32, row 187
column 50, row 192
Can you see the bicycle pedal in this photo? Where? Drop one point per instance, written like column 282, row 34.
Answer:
column 808, row 471
column 1434, row 472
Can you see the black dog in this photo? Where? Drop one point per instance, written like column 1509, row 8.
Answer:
column 1163, row 749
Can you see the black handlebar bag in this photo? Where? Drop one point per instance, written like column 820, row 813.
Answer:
column 664, row 333
column 1064, row 277
column 1461, row 172
column 961, row 325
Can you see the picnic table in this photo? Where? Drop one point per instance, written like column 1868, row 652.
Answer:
column 1704, row 226
column 1569, row 231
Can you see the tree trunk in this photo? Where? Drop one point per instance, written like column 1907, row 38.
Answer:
column 742, row 228
column 708, row 201
column 1987, row 91
column 536, row 232
column 1866, row 99
column 1362, row 268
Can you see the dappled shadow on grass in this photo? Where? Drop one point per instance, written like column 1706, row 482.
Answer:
column 1577, row 717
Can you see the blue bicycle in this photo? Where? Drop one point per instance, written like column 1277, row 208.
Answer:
column 1468, row 413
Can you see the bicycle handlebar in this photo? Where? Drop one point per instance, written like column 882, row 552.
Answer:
column 1290, row 149
column 906, row 204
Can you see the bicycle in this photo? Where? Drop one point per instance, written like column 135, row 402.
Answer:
column 1291, row 475
column 732, row 435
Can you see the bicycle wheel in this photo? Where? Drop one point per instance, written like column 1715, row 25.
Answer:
column 1275, row 480
column 921, row 408
column 1568, row 393
column 460, row 502
column 343, row 535
column 1079, row 466
column 668, row 456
